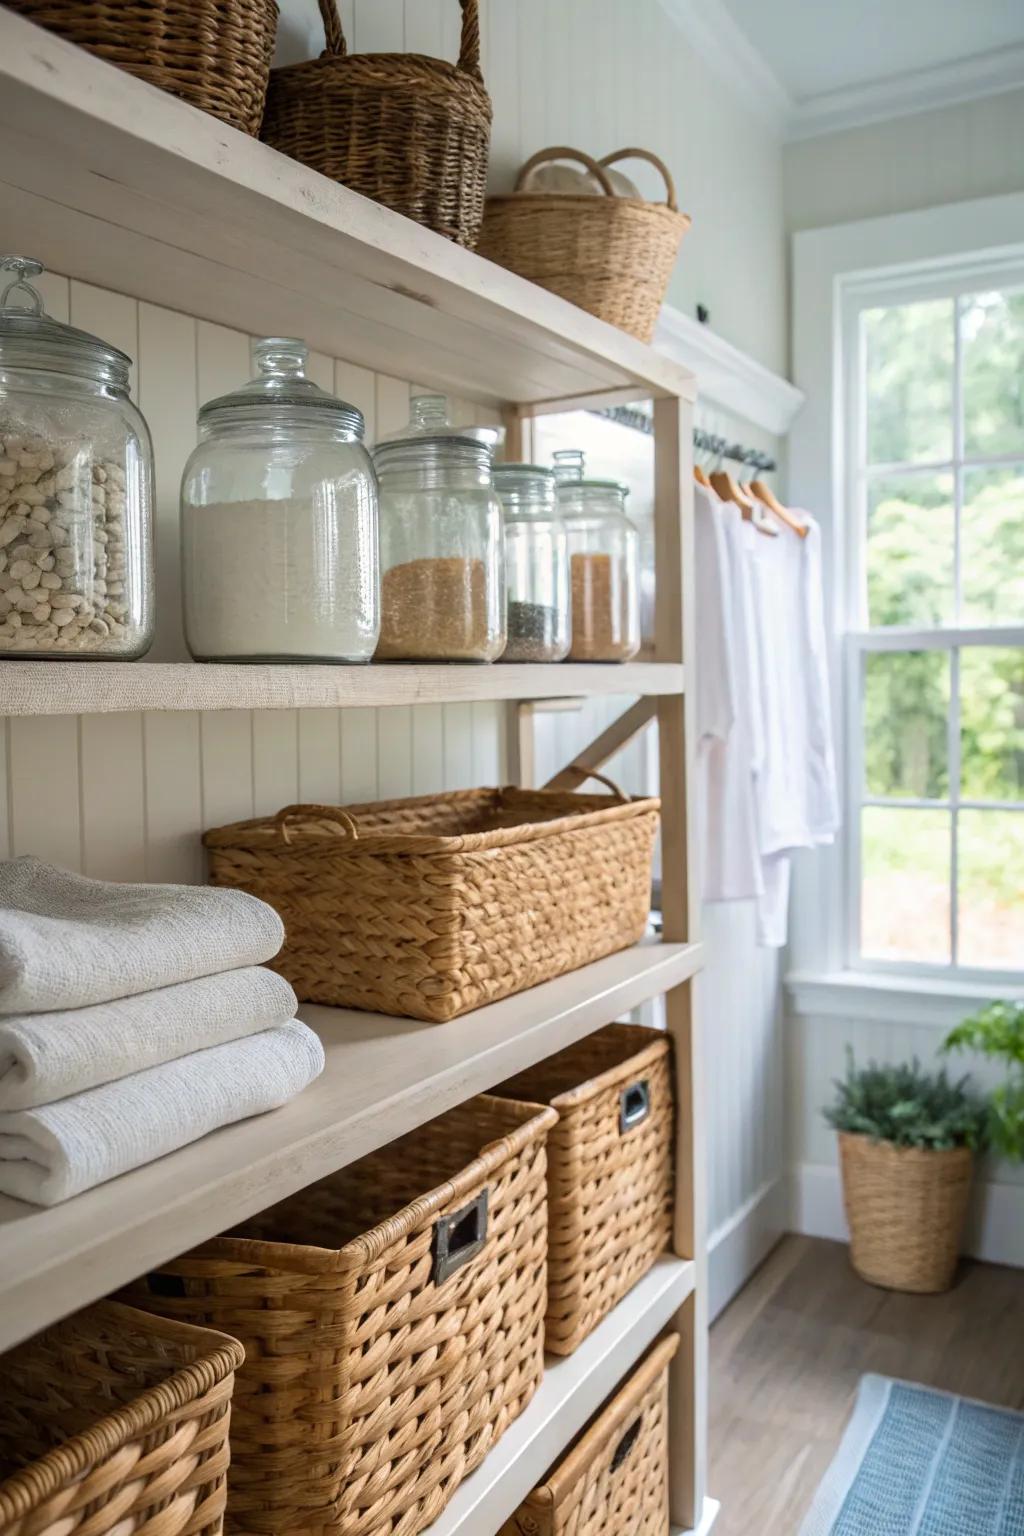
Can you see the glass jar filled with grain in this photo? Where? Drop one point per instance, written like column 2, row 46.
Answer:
column 536, row 564
column 441, row 541
column 603, row 563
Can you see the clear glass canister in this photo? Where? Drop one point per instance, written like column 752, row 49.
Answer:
column 279, row 522
column 441, row 543
column 536, row 564
column 603, row 564
column 76, row 488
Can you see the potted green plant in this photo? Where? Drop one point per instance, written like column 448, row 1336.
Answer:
column 998, row 1031
column 907, row 1140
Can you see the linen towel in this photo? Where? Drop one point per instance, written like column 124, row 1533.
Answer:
column 47, row 1056
column 67, row 941
column 49, row 1154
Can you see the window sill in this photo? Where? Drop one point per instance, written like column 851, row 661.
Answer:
column 881, row 998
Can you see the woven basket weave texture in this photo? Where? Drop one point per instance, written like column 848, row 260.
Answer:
column 610, row 1181
column 113, row 1421
column 906, row 1208
column 614, row 1481
column 429, row 907
column 409, row 131
column 214, row 54
column 369, row 1390
column 612, row 256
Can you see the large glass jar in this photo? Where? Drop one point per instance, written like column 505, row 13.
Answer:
column 441, row 554
column 536, row 564
column 279, row 522
column 76, row 488
column 603, row 564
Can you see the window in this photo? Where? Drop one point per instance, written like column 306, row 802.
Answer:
column 935, row 649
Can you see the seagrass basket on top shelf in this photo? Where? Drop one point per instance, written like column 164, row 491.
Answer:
column 612, row 254
column 409, row 131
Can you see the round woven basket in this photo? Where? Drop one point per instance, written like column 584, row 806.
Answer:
column 214, row 54
column 409, row 131
column 613, row 256
column 906, row 1208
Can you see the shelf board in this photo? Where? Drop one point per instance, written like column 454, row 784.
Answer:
column 383, row 1077
column 573, row 1389
column 108, row 179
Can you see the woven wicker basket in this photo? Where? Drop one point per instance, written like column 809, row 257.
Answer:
column 214, row 54
column 614, row 1480
column 906, row 1208
column 610, row 255
column 393, row 1322
column 115, row 1421
column 431, row 906
column 610, row 1171
column 409, row 131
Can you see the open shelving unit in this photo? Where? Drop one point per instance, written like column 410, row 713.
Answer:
column 110, row 181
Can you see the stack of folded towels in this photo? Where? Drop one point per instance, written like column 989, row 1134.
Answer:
column 133, row 1020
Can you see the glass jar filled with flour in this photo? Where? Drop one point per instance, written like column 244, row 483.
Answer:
column 279, row 522
column 76, row 487
column 603, row 563
column 536, row 564
column 441, row 541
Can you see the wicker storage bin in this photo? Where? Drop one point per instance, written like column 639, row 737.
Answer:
column 214, row 54
column 906, row 1208
column 610, row 1171
column 431, row 906
column 614, row 1480
column 113, row 1421
column 610, row 255
column 409, row 131
column 392, row 1316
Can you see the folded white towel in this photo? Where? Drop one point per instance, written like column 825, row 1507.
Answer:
column 67, row 941
column 59, row 1150
column 47, row 1056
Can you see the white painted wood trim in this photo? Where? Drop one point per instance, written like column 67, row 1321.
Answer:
column 889, row 999
column 726, row 376
column 712, row 1509
column 723, row 46
column 739, row 1245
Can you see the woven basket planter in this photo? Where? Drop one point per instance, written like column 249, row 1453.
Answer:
column 113, row 1421
column 431, row 906
column 610, row 1171
column 393, row 1319
column 610, row 255
column 214, row 54
column 906, row 1209
column 409, row 131
column 614, row 1480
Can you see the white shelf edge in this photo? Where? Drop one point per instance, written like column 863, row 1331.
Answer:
column 30, row 687
column 572, row 1391
column 710, row 1514
column 384, row 1076
column 727, row 376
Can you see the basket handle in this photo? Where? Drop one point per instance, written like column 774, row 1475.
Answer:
column 469, row 49
column 561, row 153
column 459, row 1237
column 652, row 159
column 626, row 1444
column 591, row 773
column 634, row 1105
column 340, row 820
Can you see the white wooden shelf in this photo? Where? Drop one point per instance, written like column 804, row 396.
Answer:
column 708, row 1517
column 105, row 687
column 573, row 1389
column 108, row 179
column 383, row 1077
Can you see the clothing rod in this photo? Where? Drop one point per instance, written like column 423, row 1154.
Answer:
column 706, row 442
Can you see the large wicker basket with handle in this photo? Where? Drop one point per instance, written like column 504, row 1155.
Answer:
column 393, row 1319
column 114, row 1421
column 409, row 131
column 431, row 906
column 614, row 1480
column 610, row 1170
column 610, row 255
column 214, row 54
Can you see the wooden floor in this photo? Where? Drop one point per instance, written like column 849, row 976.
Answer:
column 786, row 1357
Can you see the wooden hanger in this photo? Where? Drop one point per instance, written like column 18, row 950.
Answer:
column 725, row 485
column 768, row 498
column 701, row 478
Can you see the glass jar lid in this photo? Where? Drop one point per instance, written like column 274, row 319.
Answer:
column 282, row 392
column 569, row 467
column 525, row 485
column 30, row 338
column 430, row 435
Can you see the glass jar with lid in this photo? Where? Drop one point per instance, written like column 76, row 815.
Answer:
column 603, row 563
column 279, row 522
column 536, row 564
column 76, row 488
column 441, row 541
